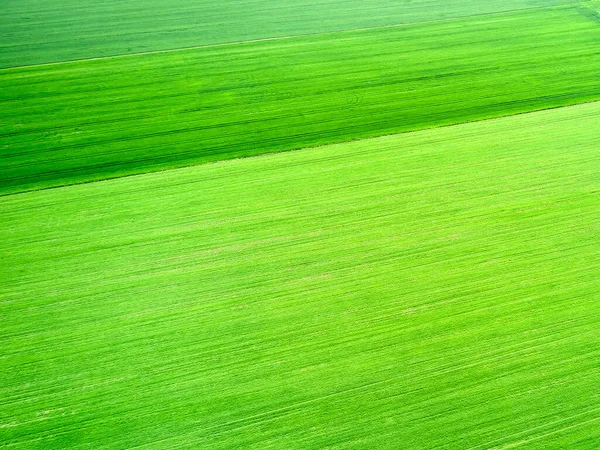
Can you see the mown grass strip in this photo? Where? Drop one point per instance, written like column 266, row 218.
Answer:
column 35, row 32
column 436, row 289
column 100, row 119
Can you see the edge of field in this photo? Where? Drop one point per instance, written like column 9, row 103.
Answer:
column 266, row 155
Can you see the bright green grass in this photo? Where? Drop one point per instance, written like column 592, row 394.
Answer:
column 436, row 289
column 50, row 30
column 98, row 119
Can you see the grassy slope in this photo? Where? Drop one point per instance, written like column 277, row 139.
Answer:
column 432, row 289
column 43, row 31
column 96, row 119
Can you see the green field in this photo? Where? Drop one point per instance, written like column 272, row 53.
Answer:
column 311, row 224
column 99, row 119
column 42, row 31
column 436, row 289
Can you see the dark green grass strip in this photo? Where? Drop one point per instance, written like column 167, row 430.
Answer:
column 100, row 119
column 436, row 289
column 42, row 31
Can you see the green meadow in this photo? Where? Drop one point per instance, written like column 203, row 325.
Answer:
column 310, row 224
column 436, row 289
column 112, row 117
column 43, row 31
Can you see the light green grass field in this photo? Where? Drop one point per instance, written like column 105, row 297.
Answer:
column 90, row 120
column 41, row 31
column 436, row 289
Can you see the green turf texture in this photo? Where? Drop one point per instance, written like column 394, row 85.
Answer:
column 41, row 31
column 90, row 120
column 436, row 289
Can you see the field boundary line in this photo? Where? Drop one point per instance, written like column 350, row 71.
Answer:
column 224, row 161
column 281, row 38
column 262, row 155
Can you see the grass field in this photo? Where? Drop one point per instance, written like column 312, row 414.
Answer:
column 422, row 272
column 99, row 119
column 436, row 289
column 44, row 31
